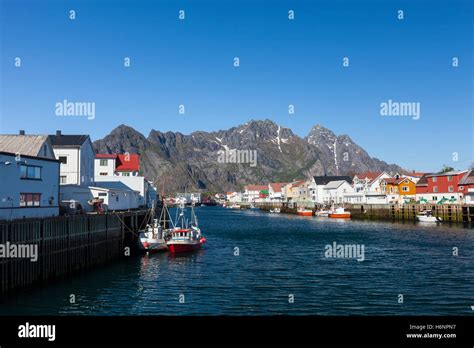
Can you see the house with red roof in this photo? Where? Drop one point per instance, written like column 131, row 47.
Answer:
column 441, row 187
column 275, row 191
column 124, row 168
column 253, row 192
column 368, row 184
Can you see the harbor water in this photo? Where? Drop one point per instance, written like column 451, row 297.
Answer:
column 257, row 263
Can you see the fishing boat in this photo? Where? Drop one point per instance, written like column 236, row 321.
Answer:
column 305, row 212
column 275, row 210
column 427, row 216
column 322, row 213
column 154, row 236
column 340, row 213
column 186, row 235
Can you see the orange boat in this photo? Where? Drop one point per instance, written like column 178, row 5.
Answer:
column 305, row 212
column 340, row 213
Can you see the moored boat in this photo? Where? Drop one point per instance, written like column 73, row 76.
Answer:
column 322, row 213
column 427, row 216
column 340, row 213
column 305, row 212
column 186, row 235
column 275, row 210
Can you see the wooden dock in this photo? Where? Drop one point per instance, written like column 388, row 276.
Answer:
column 66, row 245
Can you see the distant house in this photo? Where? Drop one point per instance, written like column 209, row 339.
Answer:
column 29, row 177
column 297, row 191
column 466, row 187
column 318, row 183
column 252, row 192
column 116, row 165
column 368, row 184
column 335, row 191
column 413, row 176
column 234, row 197
column 275, row 191
column 76, row 154
column 440, row 187
column 398, row 190
column 124, row 168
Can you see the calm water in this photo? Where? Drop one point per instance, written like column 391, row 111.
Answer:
column 279, row 255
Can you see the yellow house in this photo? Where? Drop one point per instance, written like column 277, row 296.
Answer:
column 398, row 190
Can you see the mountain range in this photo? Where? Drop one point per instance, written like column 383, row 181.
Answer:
column 206, row 161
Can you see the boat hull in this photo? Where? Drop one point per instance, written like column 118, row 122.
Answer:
column 176, row 248
column 305, row 213
column 340, row 215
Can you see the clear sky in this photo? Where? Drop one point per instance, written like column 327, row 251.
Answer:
column 282, row 62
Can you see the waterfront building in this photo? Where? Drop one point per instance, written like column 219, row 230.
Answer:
column 398, row 190
column 76, row 155
column 466, row 187
column 234, row 197
column 30, row 177
column 334, row 192
column 318, row 183
column 368, row 184
column 440, row 187
column 252, row 192
column 413, row 176
column 124, row 168
column 275, row 191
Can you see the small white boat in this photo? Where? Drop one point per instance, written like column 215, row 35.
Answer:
column 427, row 216
column 275, row 210
column 322, row 213
column 152, row 238
column 340, row 213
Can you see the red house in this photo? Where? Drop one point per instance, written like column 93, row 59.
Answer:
column 440, row 187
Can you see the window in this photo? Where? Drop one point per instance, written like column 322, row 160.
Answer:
column 30, row 199
column 461, row 188
column 30, row 172
column 450, row 178
column 63, row 179
column 405, row 188
column 450, row 189
column 103, row 162
column 103, row 173
column 435, row 179
column 63, row 159
column 102, row 194
column 126, row 174
column 435, row 188
column 435, row 198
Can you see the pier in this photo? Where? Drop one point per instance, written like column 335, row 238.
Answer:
column 66, row 245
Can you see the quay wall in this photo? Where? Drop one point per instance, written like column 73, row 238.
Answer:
column 404, row 212
column 66, row 245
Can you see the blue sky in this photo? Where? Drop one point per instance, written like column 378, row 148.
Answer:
column 282, row 62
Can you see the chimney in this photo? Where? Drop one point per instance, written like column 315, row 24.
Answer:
column 58, row 133
column 22, row 132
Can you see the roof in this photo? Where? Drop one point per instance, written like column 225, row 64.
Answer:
column 68, row 140
column 423, row 181
column 112, row 185
column 467, row 179
column 451, row 172
column 127, row 163
column 334, row 184
column 124, row 162
column 255, row 187
column 106, row 155
column 27, row 145
column 369, row 175
column 395, row 181
column 414, row 174
column 323, row 180
column 276, row 186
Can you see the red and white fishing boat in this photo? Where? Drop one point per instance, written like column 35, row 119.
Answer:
column 305, row 212
column 186, row 235
column 340, row 213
